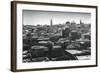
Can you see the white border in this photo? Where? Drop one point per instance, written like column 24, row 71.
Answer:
column 34, row 65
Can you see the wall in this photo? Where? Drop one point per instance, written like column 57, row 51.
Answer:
column 5, row 37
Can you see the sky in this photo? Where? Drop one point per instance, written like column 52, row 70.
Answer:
column 33, row 17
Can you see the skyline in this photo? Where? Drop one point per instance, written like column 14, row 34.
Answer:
column 33, row 17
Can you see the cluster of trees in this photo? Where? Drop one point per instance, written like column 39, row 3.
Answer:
column 72, row 35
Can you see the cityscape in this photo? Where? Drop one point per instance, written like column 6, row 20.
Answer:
column 57, row 42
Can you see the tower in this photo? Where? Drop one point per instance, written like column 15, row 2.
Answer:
column 81, row 22
column 51, row 22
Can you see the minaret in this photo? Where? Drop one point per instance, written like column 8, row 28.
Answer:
column 80, row 21
column 51, row 22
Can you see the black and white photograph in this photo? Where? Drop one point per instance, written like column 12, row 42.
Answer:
column 49, row 36
column 56, row 36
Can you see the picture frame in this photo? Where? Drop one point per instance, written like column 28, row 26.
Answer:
column 46, row 36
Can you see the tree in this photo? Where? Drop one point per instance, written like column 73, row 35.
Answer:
column 65, row 32
column 75, row 35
